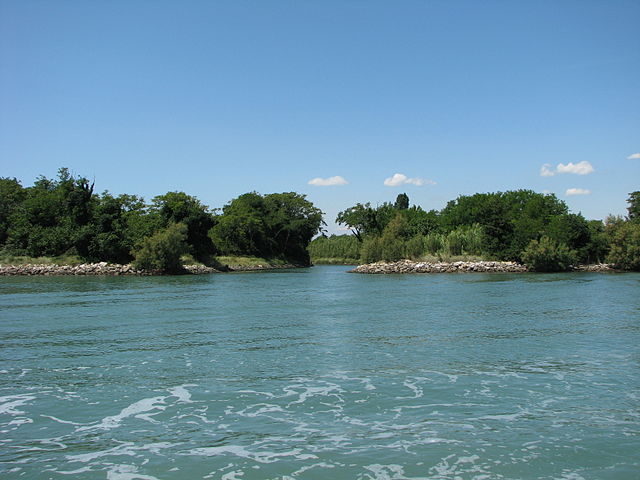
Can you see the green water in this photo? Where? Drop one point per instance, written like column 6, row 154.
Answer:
column 320, row 374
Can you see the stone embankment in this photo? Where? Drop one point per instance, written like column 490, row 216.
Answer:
column 113, row 269
column 259, row 267
column 102, row 268
column 598, row 267
column 408, row 266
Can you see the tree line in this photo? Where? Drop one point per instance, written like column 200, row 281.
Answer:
column 521, row 225
column 65, row 215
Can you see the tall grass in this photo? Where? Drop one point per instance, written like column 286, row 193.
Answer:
column 335, row 249
column 464, row 243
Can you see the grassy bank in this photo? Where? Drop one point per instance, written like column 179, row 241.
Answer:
column 334, row 261
column 57, row 260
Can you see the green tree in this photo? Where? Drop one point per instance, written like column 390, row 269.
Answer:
column 402, row 202
column 12, row 194
column 364, row 220
column 547, row 255
column 276, row 225
column 292, row 221
column 241, row 229
column 115, row 230
column 510, row 220
column 573, row 231
column 634, row 207
column 162, row 251
column 178, row 207
column 624, row 244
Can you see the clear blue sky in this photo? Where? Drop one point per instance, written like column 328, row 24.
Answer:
column 217, row 98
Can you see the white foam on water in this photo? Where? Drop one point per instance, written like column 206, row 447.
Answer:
column 412, row 385
column 255, row 392
column 571, row 476
column 127, row 472
column 9, row 404
column 366, row 381
column 453, row 378
column 235, row 475
column 127, row 448
column 181, row 393
column 135, row 409
column 124, row 449
column 506, row 417
column 259, row 409
column 72, row 472
column 20, row 421
column 331, row 389
column 389, row 472
column 240, row 451
column 309, row 467
column 55, row 419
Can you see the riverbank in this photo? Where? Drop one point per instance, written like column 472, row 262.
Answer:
column 409, row 266
column 112, row 269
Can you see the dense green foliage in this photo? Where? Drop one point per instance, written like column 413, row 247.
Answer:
column 500, row 225
column 64, row 216
column 162, row 250
column 624, row 244
column 548, row 255
column 279, row 225
column 634, row 207
column 335, row 249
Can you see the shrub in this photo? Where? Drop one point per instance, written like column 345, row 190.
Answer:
column 162, row 251
column 625, row 245
column 414, row 247
column 547, row 255
column 371, row 250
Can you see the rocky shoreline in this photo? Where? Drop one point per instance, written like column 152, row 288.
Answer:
column 113, row 269
column 408, row 266
column 403, row 266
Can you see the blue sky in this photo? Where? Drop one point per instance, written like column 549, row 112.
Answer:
column 217, row 98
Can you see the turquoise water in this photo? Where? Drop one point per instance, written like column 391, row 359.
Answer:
column 319, row 374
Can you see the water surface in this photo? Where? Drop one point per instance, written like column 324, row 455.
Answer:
column 319, row 374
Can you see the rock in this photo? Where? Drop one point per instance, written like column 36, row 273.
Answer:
column 408, row 266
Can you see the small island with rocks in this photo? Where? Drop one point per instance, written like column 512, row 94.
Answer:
column 410, row 266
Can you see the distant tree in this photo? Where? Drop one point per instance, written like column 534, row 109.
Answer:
column 360, row 219
column 573, row 231
column 364, row 220
column 634, row 206
column 421, row 222
column 178, row 207
column 547, row 255
column 402, row 202
column 291, row 221
column 162, row 251
column 12, row 194
column 241, row 230
column 115, row 229
column 624, row 240
column 274, row 225
column 510, row 220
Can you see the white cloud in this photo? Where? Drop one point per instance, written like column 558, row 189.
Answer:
column 545, row 171
column 580, row 168
column 635, row 156
column 328, row 182
column 401, row 179
column 577, row 191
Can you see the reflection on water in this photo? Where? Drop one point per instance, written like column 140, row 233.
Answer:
column 320, row 374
